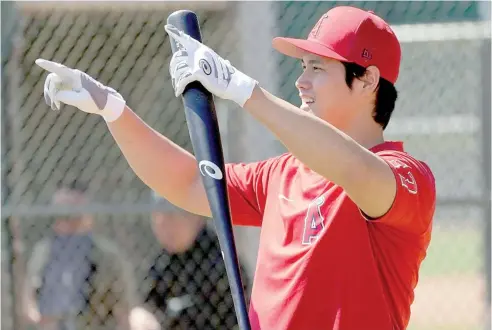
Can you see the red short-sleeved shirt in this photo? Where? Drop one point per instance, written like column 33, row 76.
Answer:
column 321, row 264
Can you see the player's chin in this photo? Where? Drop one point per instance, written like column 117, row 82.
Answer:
column 306, row 107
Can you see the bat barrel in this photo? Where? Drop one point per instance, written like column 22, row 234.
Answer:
column 205, row 138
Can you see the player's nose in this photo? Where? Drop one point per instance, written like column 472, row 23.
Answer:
column 303, row 82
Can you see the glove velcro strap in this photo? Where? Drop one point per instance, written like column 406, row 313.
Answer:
column 113, row 109
column 243, row 86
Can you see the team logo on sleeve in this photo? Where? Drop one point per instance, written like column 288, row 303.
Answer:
column 407, row 179
column 314, row 221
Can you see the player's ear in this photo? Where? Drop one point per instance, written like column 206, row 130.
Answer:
column 370, row 80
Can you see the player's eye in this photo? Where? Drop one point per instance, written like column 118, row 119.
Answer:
column 317, row 68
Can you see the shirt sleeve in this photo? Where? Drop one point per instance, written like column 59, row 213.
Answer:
column 247, row 186
column 415, row 200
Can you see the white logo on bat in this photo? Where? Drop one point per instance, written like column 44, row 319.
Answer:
column 210, row 169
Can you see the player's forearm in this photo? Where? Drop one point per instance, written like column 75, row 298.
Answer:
column 322, row 147
column 159, row 163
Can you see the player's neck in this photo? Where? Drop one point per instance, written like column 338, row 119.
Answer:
column 367, row 134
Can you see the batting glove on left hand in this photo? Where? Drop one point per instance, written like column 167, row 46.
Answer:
column 196, row 62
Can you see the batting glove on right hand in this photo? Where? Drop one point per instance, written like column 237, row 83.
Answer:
column 195, row 61
column 78, row 89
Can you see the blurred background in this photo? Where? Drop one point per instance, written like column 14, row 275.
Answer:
column 63, row 176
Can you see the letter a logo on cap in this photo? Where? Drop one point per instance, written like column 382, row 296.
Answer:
column 317, row 27
column 366, row 54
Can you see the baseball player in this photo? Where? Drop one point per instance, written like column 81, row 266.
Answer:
column 345, row 216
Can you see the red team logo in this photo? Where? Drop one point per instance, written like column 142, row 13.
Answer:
column 314, row 32
column 313, row 223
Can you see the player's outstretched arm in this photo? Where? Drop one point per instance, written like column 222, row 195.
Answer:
column 162, row 165
column 157, row 161
column 366, row 178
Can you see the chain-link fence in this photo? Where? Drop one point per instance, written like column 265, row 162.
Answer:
column 441, row 115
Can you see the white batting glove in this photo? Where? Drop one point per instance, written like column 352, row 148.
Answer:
column 78, row 89
column 196, row 62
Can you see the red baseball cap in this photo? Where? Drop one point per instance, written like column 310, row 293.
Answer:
column 349, row 34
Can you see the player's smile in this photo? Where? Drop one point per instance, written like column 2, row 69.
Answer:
column 307, row 102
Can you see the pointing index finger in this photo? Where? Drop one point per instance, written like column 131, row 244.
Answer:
column 57, row 68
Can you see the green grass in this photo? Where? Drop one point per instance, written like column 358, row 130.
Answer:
column 454, row 251
column 444, row 327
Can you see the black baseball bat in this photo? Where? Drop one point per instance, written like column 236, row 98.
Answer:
column 203, row 126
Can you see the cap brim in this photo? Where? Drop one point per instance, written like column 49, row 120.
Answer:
column 298, row 48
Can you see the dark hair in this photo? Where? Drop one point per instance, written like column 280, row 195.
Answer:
column 386, row 94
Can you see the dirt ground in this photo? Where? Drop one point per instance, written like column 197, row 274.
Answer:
column 449, row 302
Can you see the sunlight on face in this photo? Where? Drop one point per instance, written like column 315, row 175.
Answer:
column 323, row 90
